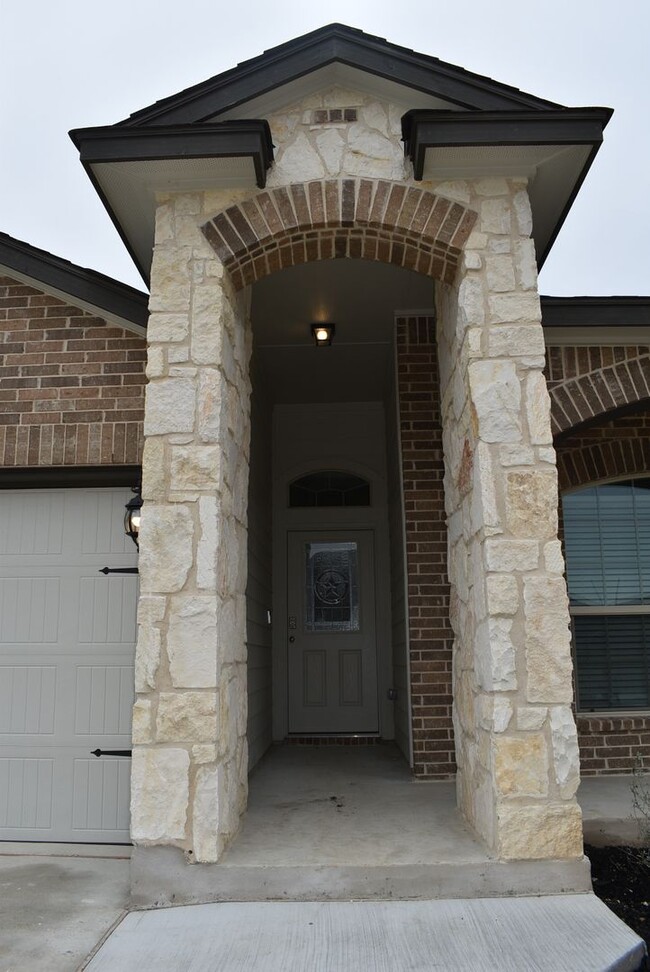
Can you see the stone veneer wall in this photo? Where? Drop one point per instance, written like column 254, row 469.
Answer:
column 613, row 448
column 190, row 761
column 430, row 634
column 71, row 385
column 515, row 733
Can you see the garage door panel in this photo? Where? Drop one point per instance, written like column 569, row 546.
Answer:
column 67, row 637
column 27, row 699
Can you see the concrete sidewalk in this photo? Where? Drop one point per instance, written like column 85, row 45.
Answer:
column 563, row 933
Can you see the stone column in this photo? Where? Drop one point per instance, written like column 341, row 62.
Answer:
column 515, row 735
column 189, row 779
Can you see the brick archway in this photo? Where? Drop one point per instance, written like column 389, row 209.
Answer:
column 604, row 388
column 360, row 218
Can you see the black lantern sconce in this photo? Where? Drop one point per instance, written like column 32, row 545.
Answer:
column 132, row 516
column 322, row 334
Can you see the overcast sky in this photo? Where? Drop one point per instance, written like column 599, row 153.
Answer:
column 75, row 63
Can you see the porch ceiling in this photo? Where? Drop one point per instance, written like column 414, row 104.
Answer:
column 361, row 298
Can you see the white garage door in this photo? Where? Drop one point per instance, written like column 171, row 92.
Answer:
column 67, row 635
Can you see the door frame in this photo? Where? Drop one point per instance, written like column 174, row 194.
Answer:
column 285, row 521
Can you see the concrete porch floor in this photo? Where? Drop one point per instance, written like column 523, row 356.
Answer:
column 338, row 823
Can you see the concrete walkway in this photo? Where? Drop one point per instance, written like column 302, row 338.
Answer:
column 564, row 933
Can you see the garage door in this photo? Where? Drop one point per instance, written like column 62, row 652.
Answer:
column 67, row 635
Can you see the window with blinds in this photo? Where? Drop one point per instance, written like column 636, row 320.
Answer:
column 607, row 543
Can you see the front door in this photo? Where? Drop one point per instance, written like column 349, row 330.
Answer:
column 331, row 632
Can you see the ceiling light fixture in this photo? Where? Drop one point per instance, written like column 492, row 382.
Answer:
column 322, row 334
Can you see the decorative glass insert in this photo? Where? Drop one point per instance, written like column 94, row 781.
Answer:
column 331, row 587
column 329, row 489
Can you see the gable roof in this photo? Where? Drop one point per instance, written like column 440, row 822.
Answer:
column 92, row 291
column 335, row 43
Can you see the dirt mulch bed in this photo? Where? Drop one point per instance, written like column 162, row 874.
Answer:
column 621, row 878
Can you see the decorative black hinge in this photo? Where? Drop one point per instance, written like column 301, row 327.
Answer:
column 110, row 752
column 119, row 570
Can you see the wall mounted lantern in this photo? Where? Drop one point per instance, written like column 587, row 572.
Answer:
column 132, row 516
column 322, row 334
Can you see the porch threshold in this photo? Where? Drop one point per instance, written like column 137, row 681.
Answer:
column 339, row 823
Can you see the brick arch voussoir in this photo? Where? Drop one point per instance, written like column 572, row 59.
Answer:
column 592, row 396
column 359, row 218
column 602, row 461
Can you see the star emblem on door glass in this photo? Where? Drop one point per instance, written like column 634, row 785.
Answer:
column 331, row 586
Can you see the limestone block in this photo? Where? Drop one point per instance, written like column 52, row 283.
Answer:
column 472, row 260
column 495, row 656
column 141, row 724
column 548, row 655
column 531, row 503
column 506, row 556
column 566, row 756
column 553, row 557
column 500, row 273
column 531, row 717
column 538, row 409
column 499, row 244
column 471, row 304
column 299, row 162
column 147, row 657
column 521, row 765
column 159, row 794
column 208, row 545
column 484, row 511
column 209, row 307
column 154, row 469
column 178, row 354
column 204, row 753
column 170, row 279
column 186, row 717
column 455, row 189
column 496, row 397
column 169, row 406
column 210, row 408
column 151, row 609
column 166, row 328
column 156, row 366
column 516, row 455
column 374, row 115
column 540, row 831
column 492, row 186
column 330, row 148
column 494, row 713
column 495, row 216
column 502, row 594
column 208, row 798
column 192, row 641
column 166, row 535
column 195, row 467
column 515, row 308
column 507, row 340
column 523, row 212
column 526, row 264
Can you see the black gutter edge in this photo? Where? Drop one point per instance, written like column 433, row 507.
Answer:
column 563, row 126
column 232, row 139
column 59, row 477
column 333, row 43
column 423, row 129
column 79, row 283
column 595, row 311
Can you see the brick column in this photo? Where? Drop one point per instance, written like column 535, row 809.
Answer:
column 515, row 734
column 430, row 634
column 189, row 780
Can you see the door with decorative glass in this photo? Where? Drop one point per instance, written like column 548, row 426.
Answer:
column 331, row 631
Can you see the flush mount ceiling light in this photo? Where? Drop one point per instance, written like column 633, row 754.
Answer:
column 322, row 334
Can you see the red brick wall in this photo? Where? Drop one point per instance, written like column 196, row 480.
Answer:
column 430, row 631
column 71, row 385
column 609, row 449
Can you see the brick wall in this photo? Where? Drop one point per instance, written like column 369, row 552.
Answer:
column 430, row 631
column 71, row 386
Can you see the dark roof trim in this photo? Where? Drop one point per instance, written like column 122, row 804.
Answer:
column 233, row 139
column 101, row 292
column 595, row 311
column 327, row 45
column 437, row 129
column 60, row 477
